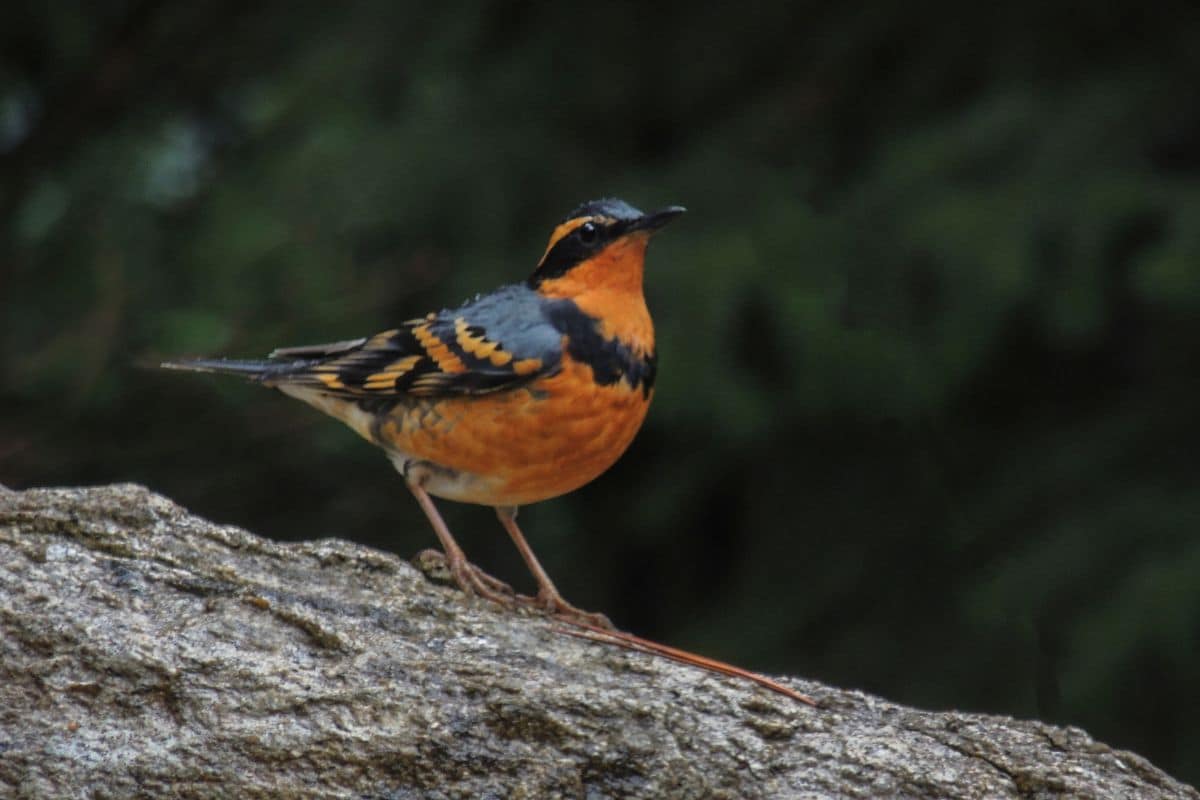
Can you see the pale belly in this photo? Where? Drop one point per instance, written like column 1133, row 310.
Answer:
column 505, row 449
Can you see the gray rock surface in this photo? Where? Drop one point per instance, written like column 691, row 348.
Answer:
column 145, row 652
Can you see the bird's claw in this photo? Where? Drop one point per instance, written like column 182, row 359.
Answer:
column 468, row 577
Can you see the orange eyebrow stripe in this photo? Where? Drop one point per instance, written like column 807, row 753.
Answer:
column 559, row 232
column 438, row 350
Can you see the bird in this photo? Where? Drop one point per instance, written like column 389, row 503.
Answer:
column 517, row 396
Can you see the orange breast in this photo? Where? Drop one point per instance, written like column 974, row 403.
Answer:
column 521, row 446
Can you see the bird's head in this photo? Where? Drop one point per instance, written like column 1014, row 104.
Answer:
column 600, row 245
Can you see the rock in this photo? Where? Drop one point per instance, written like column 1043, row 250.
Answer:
column 145, row 652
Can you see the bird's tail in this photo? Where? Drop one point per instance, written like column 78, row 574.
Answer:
column 264, row 371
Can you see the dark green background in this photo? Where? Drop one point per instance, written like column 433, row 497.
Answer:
column 929, row 335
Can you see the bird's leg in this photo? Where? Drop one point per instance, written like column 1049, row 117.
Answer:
column 548, row 597
column 470, row 578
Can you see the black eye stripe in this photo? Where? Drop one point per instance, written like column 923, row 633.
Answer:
column 570, row 250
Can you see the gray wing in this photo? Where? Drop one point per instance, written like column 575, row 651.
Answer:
column 496, row 341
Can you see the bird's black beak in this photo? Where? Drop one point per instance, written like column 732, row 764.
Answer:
column 655, row 219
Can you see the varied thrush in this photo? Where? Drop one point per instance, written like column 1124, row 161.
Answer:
column 517, row 396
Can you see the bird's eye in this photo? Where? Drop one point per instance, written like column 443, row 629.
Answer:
column 588, row 232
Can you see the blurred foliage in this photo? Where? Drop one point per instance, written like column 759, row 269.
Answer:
column 928, row 336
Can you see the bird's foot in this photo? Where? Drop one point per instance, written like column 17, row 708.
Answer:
column 553, row 604
column 468, row 577
column 473, row 580
column 592, row 619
